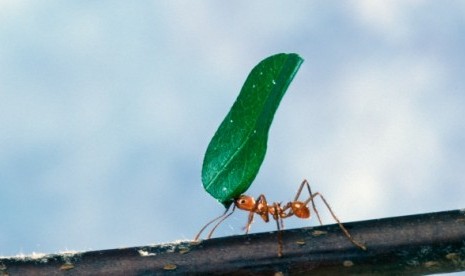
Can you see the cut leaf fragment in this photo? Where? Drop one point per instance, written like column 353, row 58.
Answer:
column 238, row 148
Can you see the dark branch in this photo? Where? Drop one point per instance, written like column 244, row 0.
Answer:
column 417, row 244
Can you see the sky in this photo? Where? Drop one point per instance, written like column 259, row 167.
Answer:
column 107, row 108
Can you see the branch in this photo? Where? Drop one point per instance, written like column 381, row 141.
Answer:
column 416, row 244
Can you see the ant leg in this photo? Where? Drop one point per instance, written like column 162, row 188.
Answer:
column 279, row 225
column 280, row 214
column 312, row 196
column 313, row 202
column 249, row 222
column 344, row 230
column 297, row 195
column 221, row 220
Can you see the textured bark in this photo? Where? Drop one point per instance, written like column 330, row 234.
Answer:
column 414, row 245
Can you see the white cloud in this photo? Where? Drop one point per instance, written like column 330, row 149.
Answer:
column 389, row 19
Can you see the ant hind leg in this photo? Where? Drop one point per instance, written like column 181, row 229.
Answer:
column 344, row 230
column 312, row 196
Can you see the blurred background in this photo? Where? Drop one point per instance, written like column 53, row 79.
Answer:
column 106, row 110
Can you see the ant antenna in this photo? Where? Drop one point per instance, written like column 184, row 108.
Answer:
column 221, row 218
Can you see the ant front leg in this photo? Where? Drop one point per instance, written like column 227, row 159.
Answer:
column 249, row 222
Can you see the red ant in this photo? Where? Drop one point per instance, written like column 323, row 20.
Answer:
column 278, row 213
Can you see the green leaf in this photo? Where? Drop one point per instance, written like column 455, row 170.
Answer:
column 238, row 147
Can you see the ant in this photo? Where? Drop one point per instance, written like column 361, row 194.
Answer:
column 260, row 207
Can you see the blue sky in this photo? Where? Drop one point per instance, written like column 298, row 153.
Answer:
column 106, row 110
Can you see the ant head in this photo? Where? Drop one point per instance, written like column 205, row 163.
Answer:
column 245, row 202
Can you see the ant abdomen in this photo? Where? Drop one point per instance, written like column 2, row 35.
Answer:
column 300, row 210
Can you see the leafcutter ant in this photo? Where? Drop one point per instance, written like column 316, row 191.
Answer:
column 278, row 212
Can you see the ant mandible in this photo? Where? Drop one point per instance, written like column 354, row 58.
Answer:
column 278, row 213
